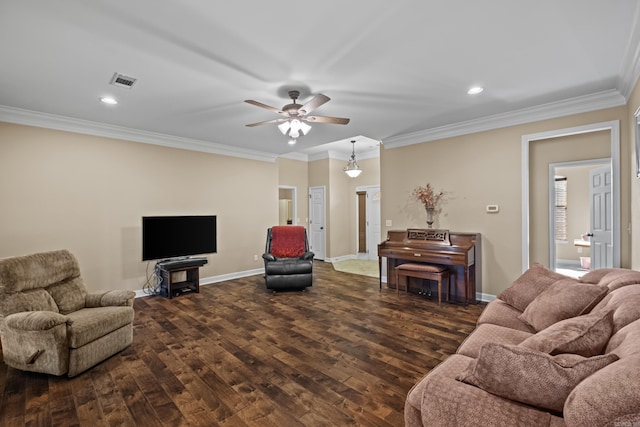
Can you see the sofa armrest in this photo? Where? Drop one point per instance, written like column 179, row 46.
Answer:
column 447, row 402
column 110, row 298
column 35, row 320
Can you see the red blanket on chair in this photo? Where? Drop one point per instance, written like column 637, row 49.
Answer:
column 287, row 241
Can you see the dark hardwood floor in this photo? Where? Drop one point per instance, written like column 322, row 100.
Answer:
column 343, row 353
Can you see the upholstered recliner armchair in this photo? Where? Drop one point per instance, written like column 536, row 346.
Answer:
column 49, row 323
column 288, row 264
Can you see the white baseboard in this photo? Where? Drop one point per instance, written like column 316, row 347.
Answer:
column 216, row 279
column 341, row 258
column 485, row 297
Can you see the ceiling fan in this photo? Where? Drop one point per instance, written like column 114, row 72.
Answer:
column 295, row 115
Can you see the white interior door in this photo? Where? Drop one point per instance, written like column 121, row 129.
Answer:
column 317, row 230
column 373, row 221
column 601, row 220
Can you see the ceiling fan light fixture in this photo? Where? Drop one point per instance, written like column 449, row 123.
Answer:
column 305, row 128
column 292, row 141
column 293, row 127
column 284, row 127
column 352, row 169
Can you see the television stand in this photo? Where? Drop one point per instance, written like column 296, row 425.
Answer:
column 168, row 272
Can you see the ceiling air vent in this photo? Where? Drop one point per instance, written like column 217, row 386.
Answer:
column 122, row 80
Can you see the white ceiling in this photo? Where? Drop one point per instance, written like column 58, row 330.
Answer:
column 399, row 69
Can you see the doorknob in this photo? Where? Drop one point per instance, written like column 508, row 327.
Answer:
column 589, row 234
column 321, row 228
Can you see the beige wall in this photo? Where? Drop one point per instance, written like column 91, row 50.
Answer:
column 88, row 194
column 477, row 170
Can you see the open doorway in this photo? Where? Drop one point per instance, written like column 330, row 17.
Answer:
column 535, row 244
column 287, row 205
column 572, row 214
column 368, row 221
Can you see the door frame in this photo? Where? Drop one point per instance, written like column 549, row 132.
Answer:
column 614, row 131
column 552, row 191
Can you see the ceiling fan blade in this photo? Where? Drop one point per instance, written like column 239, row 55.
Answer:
column 268, row 107
column 317, row 101
column 320, row 119
column 267, row 122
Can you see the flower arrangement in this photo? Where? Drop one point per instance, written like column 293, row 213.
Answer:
column 428, row 196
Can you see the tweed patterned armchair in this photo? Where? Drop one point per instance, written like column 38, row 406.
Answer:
column 49, row 323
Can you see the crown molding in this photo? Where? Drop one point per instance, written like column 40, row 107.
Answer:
column 630, row 69
column 581, row 104
column 51, row 121
column 295, row 156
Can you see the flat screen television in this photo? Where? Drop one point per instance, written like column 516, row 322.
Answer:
column 166, row 237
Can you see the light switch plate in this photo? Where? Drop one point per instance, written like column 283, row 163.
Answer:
column 388, row 223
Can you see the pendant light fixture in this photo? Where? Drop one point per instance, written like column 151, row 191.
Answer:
column 352, row 169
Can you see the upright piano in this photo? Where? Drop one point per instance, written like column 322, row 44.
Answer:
column 459, row 252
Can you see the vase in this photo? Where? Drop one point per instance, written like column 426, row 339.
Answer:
column 430, row 211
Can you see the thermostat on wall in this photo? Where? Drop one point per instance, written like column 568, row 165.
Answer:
column 493, row 208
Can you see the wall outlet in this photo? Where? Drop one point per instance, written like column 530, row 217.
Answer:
column 255, row 257
column 388, row 223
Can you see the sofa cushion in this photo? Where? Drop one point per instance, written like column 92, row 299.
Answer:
column 89, row 324
column 609, row 397
column 33, row 300
column 563, row 299
column 498, row 312
column 585, row 335
column 625, row 342
column 612, row 278
column 529, row 285
column 625, row 302
column 594, row 276
column 530, row 376
column 490, row 333
column 69, row 295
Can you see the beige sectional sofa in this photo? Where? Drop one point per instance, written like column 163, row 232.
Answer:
column 549, row 351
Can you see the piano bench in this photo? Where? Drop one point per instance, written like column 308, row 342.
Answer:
column 423, row 271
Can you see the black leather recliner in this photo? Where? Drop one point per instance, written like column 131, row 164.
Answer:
column 288, row 263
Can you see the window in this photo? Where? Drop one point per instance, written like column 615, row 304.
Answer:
column 561, row 208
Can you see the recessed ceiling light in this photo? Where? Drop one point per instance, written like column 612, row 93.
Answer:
column 475, row 90
column 108, row 100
